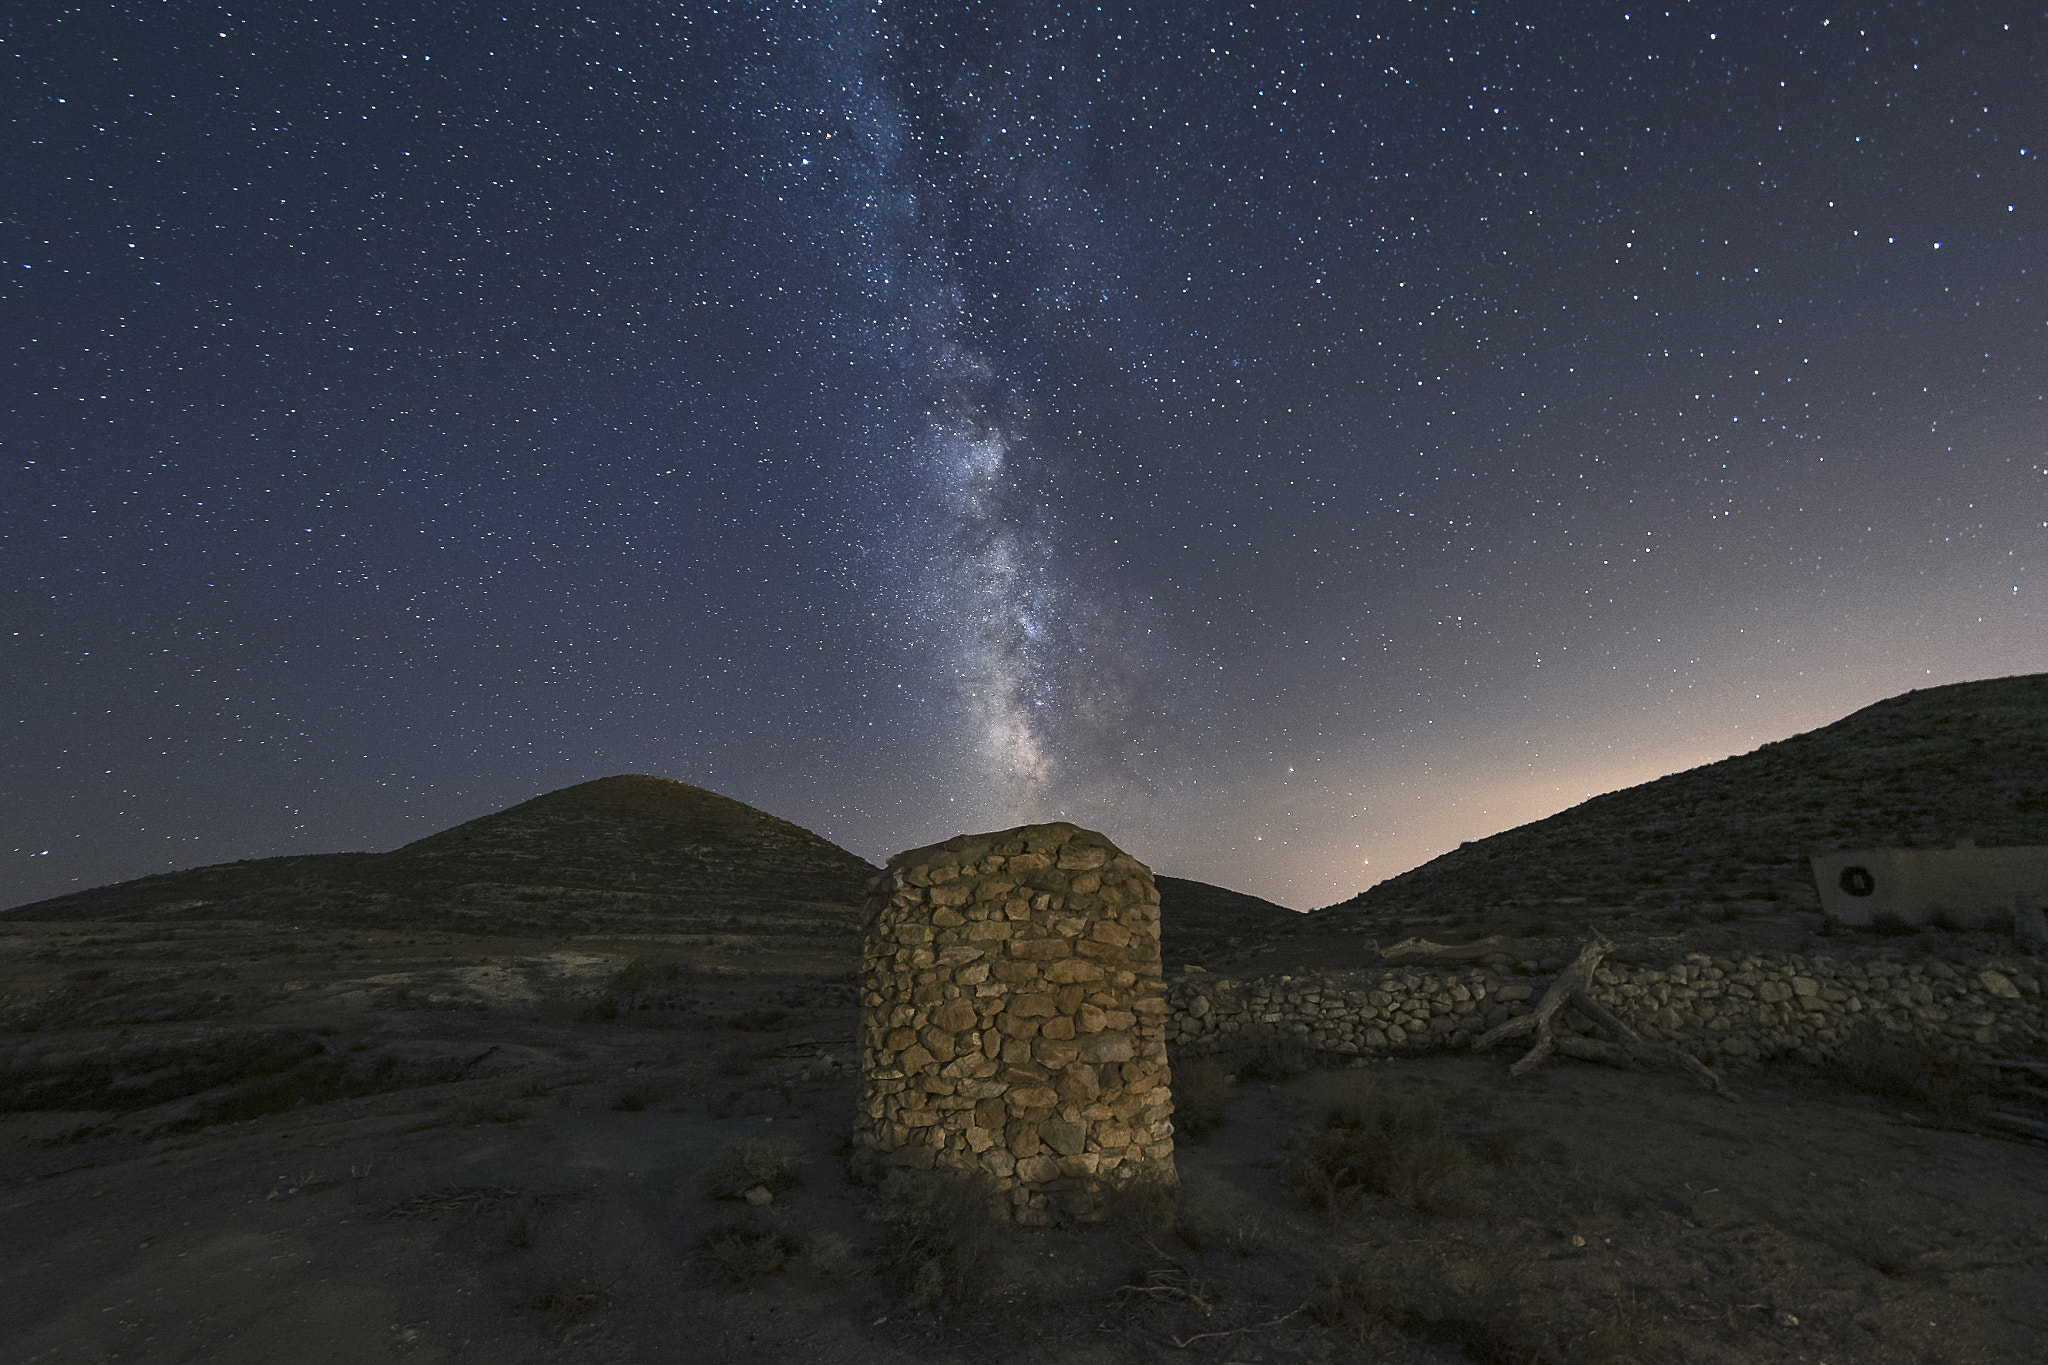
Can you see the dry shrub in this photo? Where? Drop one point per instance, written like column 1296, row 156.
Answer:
column 634, row 1096
column 1201, row 1098
column 733, row 1061
column 1506, row 1146
column 1143, row 1206
column 1398, row 1150
column 562, row 1303
column 1886, row 1248
column 742, row 1164
column 943, row 1235
column 489, row 1109
column 517, row 1226
column 1492, row 1309
column 1275, row 1058
column 646, row 975
column 1906, row 1070
column 828, row 1253
column 1622, row 1335
column 737, row 1253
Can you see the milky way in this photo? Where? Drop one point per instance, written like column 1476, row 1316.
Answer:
column 1290, row 441
column 976, row 249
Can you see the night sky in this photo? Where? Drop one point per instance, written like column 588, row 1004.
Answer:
column 1289, row 439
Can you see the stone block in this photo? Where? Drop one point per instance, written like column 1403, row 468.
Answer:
column 955, row 1016
column 1054, row 1052
column 1106, row 1046
column 1064, row 1136
column 1037, row 1170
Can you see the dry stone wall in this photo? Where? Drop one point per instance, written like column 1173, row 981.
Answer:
column 1013, row 1017
column 1717, row 1007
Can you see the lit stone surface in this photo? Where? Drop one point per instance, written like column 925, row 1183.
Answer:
column 1013, row 1017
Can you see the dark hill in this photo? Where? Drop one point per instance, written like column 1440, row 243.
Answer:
column 621, row 854
column 1729, row 841
column 1202, row 923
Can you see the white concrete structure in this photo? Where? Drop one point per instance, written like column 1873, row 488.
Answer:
column 1971, row 887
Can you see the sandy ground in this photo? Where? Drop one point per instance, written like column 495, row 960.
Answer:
column 527, row 1186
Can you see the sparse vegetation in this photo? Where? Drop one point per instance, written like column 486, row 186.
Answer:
column 1364, row 1147
column 733, row 1061
column 751, row 1163
column 1144, row 1206
column 942, row 1235
column 1907, row 1071
column 635, row 1095
column 1201, row 1098
column 489, row 1109
column 1622, row 1334
column 1613, row 1217
column 828, row 1253
column 562, row 1303
column 1493, row 1309
column 739, row 1252
column 645, row 975
column 1274, row 1058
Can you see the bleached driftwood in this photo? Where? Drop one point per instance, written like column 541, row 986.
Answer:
column 1628, row 1047
column 1452, row 952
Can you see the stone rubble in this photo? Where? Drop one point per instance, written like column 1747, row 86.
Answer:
column 1014, row 1018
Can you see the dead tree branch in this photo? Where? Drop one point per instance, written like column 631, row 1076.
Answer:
column 1572, row 988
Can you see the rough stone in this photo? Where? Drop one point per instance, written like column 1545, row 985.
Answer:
column 1014, row 1019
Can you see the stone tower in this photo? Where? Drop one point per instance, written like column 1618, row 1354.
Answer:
column 1013, row 1019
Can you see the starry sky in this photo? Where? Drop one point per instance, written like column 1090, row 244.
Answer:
column 1292, row 439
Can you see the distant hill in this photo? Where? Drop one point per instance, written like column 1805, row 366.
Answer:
column 1730, row 840
column 1202, row 923
column 621, row 854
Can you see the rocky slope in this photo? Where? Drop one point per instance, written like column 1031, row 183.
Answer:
column 1201, row 923
column 1728, row 842
column 618, row 855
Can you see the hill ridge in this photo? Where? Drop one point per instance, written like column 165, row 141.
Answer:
column 630, row 852
column 1730, row 839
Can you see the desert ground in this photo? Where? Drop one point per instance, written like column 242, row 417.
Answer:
column 248, row 1141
